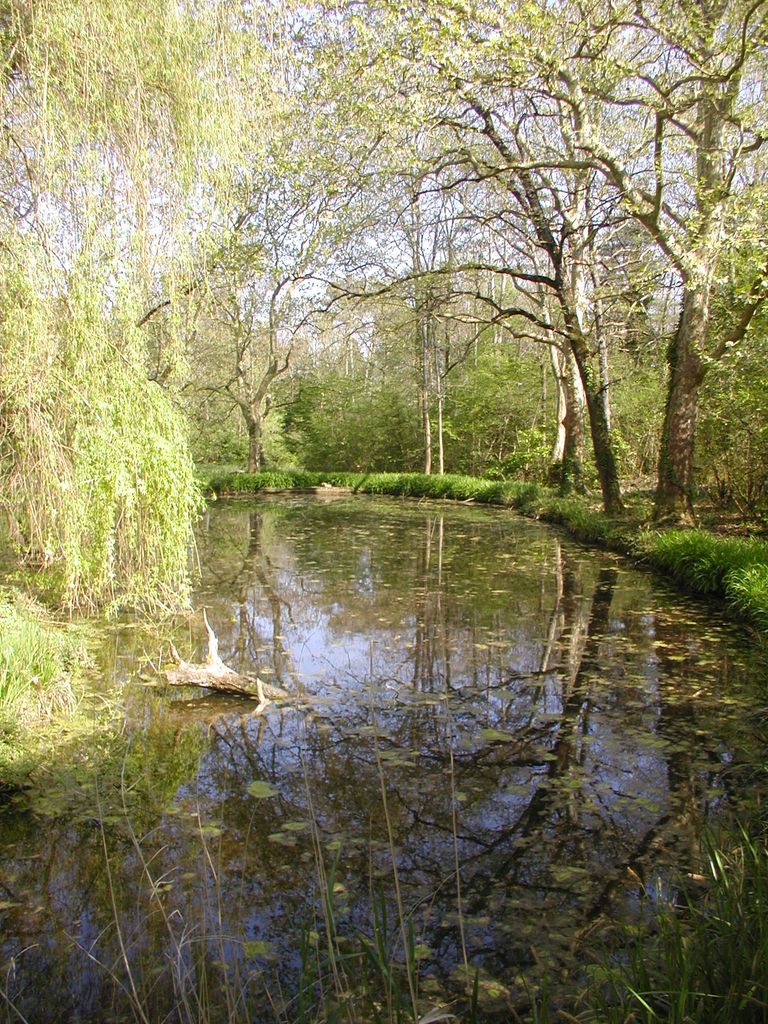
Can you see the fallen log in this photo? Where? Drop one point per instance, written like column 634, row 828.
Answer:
column 213, row 674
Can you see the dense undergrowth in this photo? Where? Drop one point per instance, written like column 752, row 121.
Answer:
column 732, row 569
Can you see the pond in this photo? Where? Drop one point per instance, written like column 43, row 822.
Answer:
column 501, row 741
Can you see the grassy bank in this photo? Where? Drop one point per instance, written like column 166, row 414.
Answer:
column 40, row 663
column 733, row 570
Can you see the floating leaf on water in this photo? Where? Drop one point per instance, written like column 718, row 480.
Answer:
column 257, row 947
column 282, row 838
column 566, row 873
column 496, row 736
column 262, row 790
column 515, row 790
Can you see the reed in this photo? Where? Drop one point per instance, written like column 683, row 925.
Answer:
column 704, row 960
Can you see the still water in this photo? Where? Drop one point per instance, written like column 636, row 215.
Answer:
column 521, row 736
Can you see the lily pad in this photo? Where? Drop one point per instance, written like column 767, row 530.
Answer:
column 496, row 736
column 282, row 838
column 262, row 790
column 257, row 947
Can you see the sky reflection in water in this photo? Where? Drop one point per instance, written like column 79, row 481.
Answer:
column 553, row 720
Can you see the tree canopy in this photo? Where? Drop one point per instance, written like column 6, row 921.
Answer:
column 488, row 237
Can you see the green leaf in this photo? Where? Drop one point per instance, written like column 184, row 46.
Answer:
column 262, row 790
column 496, row 736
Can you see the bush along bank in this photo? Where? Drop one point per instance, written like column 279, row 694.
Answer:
column 733, row 570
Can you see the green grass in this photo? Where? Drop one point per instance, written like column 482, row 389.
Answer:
column 704, row 562
column 705, row 958
column 36, row 659
column 734, row 569
column 39, row 659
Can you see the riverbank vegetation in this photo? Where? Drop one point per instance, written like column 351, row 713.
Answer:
column 479, row 252
column 40, row 679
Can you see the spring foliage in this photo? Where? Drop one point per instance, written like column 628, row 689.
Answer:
column 110, row 163
column 96, row 476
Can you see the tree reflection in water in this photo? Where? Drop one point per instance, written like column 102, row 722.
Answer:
column 545, row 716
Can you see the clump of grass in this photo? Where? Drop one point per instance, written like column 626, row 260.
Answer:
column 707, row 962
column 748, row 593
column 36, row 662
column 703, row 562
column 733, row 568
column 40, row 661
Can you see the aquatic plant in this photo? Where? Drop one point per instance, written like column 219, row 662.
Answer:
column 704, row 960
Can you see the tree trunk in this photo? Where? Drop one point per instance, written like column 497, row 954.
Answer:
column 255, row 446
column 572, row 465
column 439, row 384
column 605, row 375
column 561, row 399
column 426, row 424
column 605, row 457
column 674, row 491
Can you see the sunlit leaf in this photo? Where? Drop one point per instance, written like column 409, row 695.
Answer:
column 496, row 736
column 257, row 947
column 262, row 790
column 282, row 838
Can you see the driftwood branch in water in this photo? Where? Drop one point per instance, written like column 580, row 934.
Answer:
column 213, row 674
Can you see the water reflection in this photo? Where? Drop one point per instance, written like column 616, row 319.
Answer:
column 552, row 722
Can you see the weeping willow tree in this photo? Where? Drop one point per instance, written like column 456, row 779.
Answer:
column 121, row 120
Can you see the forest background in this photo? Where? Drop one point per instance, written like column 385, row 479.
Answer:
column 515, row 240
